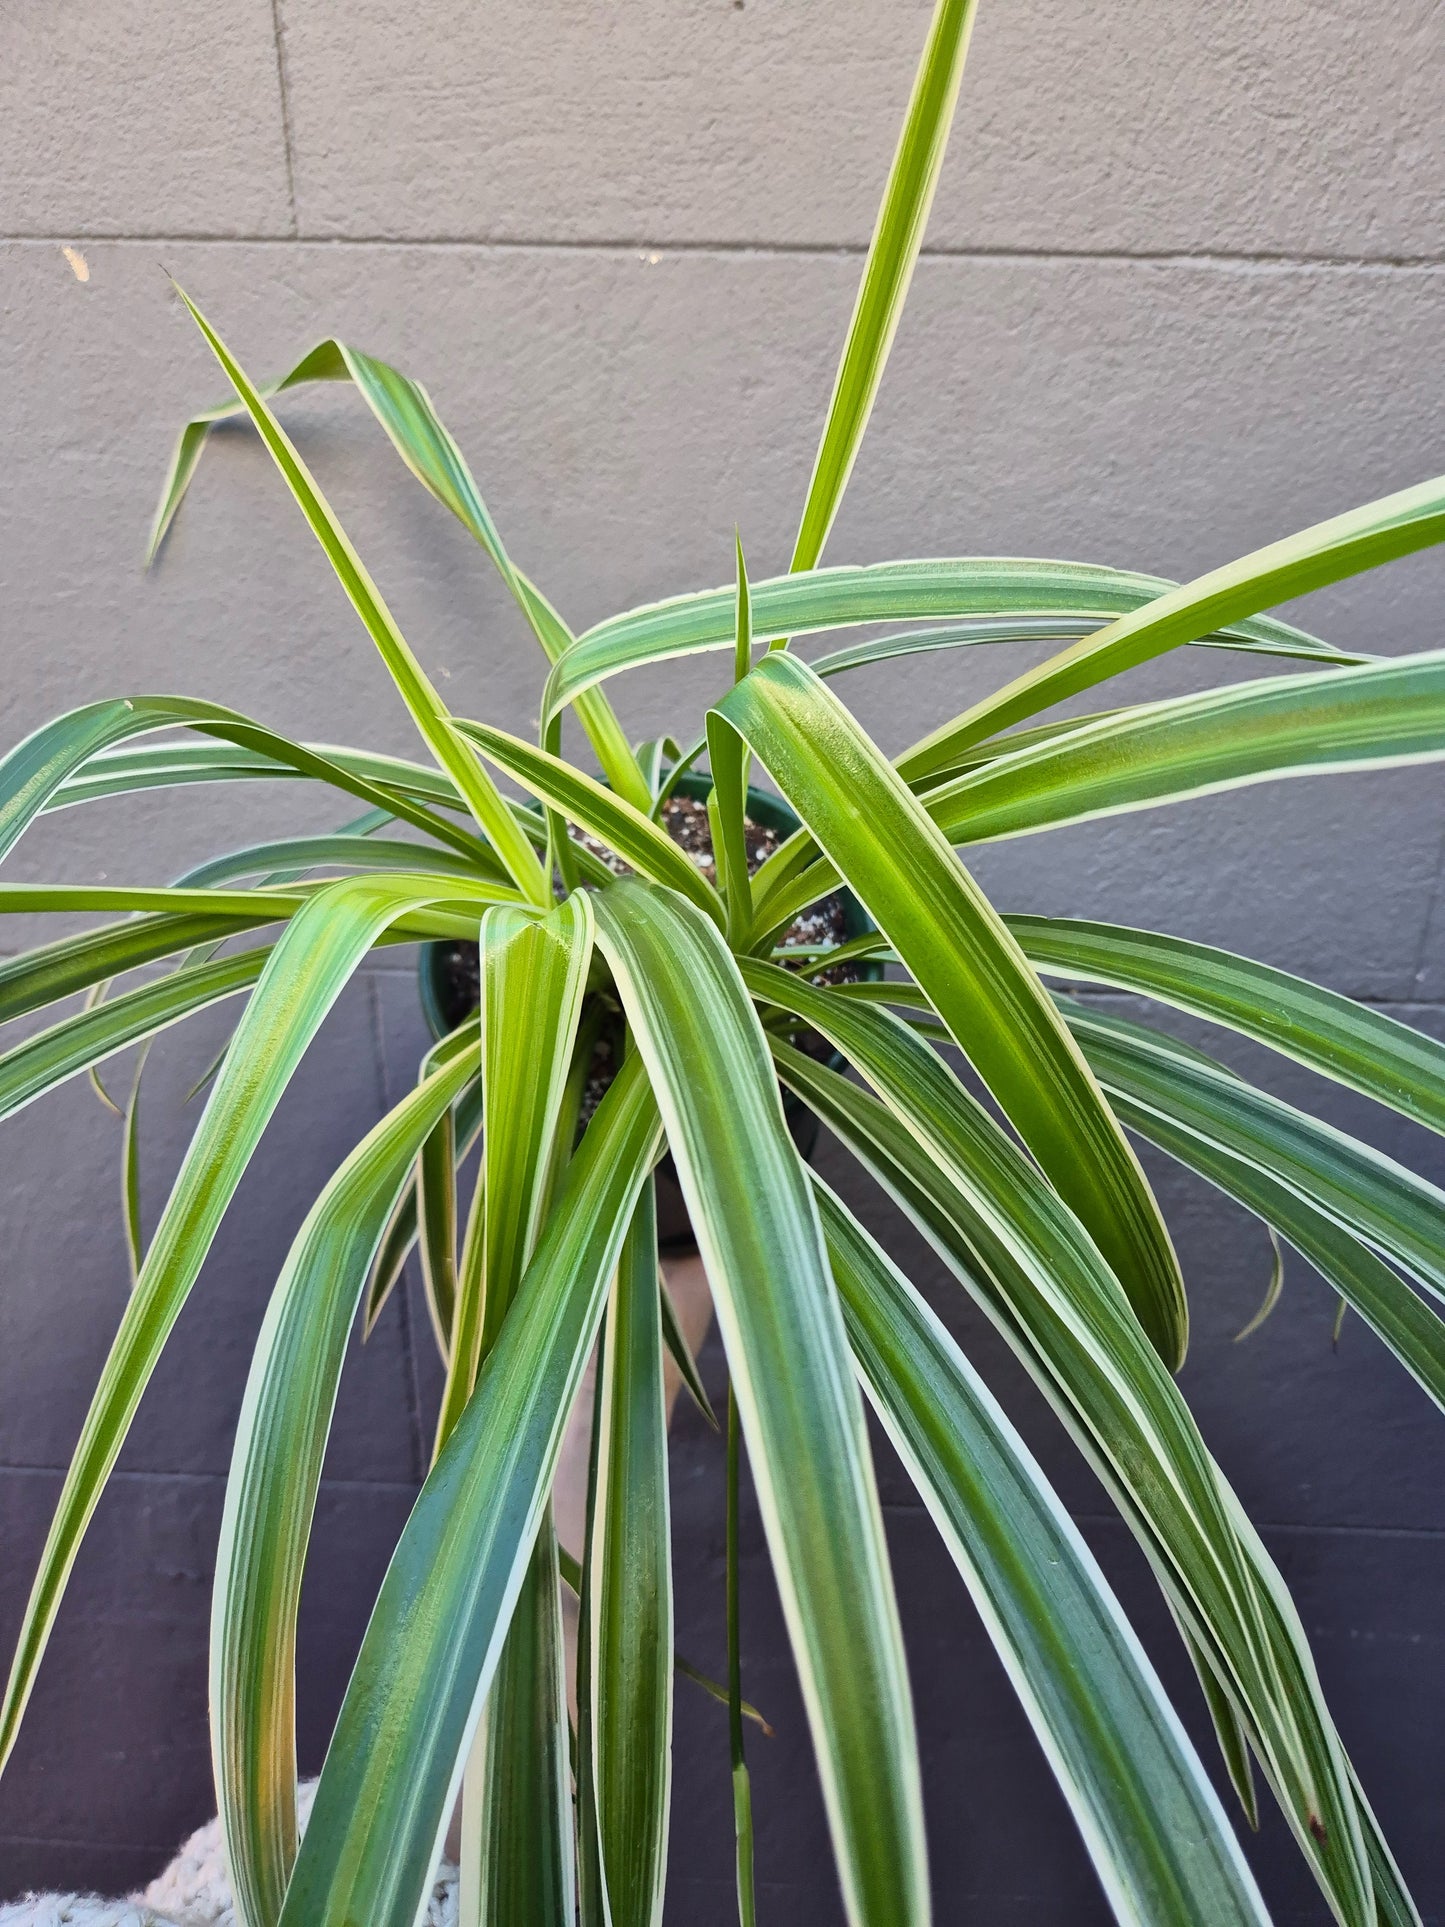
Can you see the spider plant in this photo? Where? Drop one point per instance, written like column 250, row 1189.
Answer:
column 1037, row 1204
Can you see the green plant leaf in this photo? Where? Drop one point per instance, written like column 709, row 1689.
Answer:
column 675, row 775
column 311, row 962
column 888, row 269
column 916, row 590
column 392, row 780
column 397, row 1244
column 1412, row 1331
column 876, row 835
column 49, row 972
column 1355, row 1044
column 743, row 647
column 437, row 1629
column 742, row 1781
column 1229, row 1729
column 1305, row 1180
column 1023, row 1256
column 715, row 1690
column 653, row 757
column 271, row 1493
column 517, row 1846
column 727, row 812
column 1372, row 1195
column 449, row 909
column 517, row 1841
column 1152, row 1823
column 1396, row 1908
column 982, row 630
column 533, row 974
column 435, row 1218
column 401, row 1230
column 681, row 1354
column 591, row 1903
column 388, row 781
column 796, row 859
column 294, row 856
column 1381, row 531
column 707, row 1060
column 248, row 908
column 428, row 711
column 416, row 431
column 631, row 1593
column 631, row 833
column 1384, row 714
column 727, row 800
column 91, row 1036
column 1271, row 1291
column 568, row 1127
column 173, row 764
column 130, row 1175
column 405, row 411
column 321, row 363
column 44, row 769
column 571, row 1573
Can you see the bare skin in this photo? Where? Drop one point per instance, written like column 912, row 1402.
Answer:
column 688, row 1288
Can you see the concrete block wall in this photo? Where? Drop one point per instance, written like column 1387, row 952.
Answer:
column 1182, row 293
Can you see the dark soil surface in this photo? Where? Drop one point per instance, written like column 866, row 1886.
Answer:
column 686, row 821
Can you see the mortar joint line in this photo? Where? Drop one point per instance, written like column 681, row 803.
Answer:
column 278, row 37
column 1218, row 259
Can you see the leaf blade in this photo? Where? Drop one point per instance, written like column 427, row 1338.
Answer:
column 517, row 1846
column 48, row 764
column 406, row 413
column 631, row 1593
column 426, row 707
column 517, row 1839
column 1411, row 1330
column 1352, row 1043
column 876, row 835
column 706, row 1057
column 985, row 630
column 533, row 974
column 437, row 1628
column 271, row 1493
column 630, row 832
column 313, row 959
column 887, row 270
column 90, row 1036
column 1379, row 1199
column 1150, row 1819
column 838, row 598
column 1382, row 715
column 1345, row 545
column 987, row 1213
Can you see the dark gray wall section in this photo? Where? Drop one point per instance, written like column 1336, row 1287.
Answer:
column 1183, row 294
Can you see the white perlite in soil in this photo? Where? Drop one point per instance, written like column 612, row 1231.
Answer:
column 193, row 1891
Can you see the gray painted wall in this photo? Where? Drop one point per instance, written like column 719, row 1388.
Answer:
column 1183, row 293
